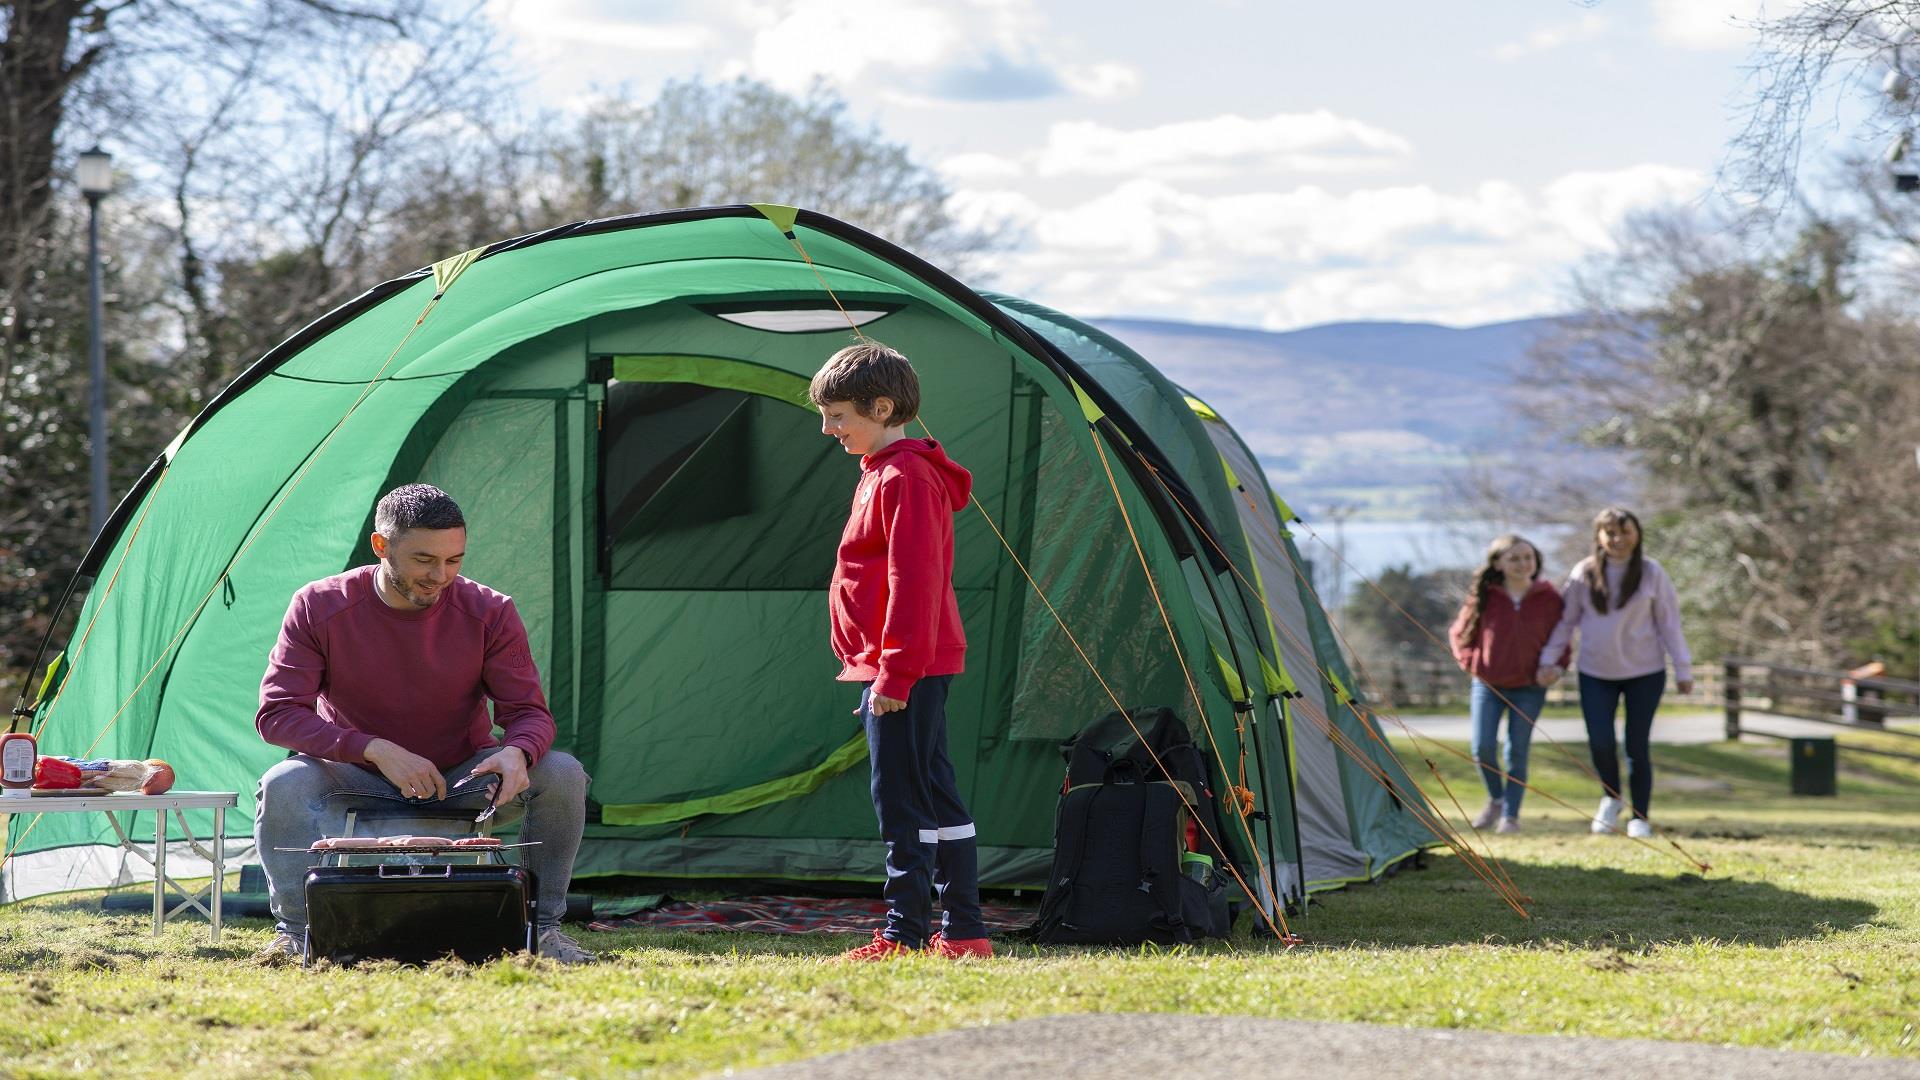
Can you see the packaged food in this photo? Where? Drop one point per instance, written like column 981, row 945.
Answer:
column 113, row 774
column 54, row 774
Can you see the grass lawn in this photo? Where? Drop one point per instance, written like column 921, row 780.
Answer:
column 1805, row 935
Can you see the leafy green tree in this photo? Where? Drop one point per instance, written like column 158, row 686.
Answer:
column 1396, row 614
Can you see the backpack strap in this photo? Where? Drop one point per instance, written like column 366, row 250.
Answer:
column 1160, row 833
column 1070, row 852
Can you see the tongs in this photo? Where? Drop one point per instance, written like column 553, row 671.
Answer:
column 493, row 797
column 493, row 803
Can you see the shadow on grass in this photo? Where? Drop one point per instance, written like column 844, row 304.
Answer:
column 1575, row 906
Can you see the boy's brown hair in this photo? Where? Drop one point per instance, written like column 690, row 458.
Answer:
column 860, row 373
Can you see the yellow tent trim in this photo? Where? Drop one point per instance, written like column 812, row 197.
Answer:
column 1234, row 686
column 1201, row 409
column 1093, row 412
column 446, row 270
column 782, row 217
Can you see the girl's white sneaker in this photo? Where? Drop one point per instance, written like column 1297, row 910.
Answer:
column 1607, row 820
column 1640, row 829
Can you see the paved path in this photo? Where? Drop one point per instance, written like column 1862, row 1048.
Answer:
column 1668, row 727
column 1102, row 1046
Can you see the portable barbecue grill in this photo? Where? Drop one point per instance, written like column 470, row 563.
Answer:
column 419, row 910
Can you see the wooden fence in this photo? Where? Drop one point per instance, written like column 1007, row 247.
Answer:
column 1845, row 699
column 1426, row 685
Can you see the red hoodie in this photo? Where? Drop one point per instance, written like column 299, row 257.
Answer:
column 1506, row 652
column 894, row 616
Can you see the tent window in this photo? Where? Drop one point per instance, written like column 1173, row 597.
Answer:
column 711, row 488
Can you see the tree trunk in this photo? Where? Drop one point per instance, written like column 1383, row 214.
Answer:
column 35, row 76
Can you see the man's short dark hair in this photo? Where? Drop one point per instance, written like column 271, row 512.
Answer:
column 863, row 372
column 416, row 506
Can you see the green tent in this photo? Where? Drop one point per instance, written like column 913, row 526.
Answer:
column 620, row 408
column 1348, row 819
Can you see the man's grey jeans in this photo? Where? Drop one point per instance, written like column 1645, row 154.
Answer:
column 304, row 798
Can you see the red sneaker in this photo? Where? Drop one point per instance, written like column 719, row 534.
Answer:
column 880, row 948
column 977, row 948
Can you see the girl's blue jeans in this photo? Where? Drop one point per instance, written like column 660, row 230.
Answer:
column 1522, row 704
column 1600, row 701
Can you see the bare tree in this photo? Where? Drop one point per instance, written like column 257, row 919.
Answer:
column 261, row 145
column 704, row 144
column 305, row 125
column 47, row 48
column 1816, row 49
column 696, row 144
column 1770, row 414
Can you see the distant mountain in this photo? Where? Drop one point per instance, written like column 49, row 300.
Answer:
column 1373, row 413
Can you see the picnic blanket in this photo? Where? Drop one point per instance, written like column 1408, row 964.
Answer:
column 788, row 915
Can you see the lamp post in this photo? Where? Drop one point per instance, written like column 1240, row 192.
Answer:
column 95, row 174
column 1340, row 512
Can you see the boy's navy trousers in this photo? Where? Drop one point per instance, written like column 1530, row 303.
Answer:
column 925, row 824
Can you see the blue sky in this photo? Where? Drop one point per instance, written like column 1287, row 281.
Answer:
column 1272, row 164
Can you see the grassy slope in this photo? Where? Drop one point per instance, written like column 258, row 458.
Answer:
column 1805, row 935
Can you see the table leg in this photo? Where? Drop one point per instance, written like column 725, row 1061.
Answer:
column 159, row 870
column 219, row 865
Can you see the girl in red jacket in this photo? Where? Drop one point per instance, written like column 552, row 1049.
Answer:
column 1497, row 638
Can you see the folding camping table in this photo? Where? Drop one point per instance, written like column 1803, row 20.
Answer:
column 128, row 802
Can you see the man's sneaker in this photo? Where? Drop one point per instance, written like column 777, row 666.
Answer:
column 555, row 945
column 1489, row 815
column 1640, row 829
column 1509, row 825
column 282, row 950
column 977, row 948
column 1607, row 820
column 881, row 947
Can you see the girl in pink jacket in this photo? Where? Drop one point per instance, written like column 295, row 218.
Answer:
column 1624, row 609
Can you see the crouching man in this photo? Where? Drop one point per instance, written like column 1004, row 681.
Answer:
column 379, row 685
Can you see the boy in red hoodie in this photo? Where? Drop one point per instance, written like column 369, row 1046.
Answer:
column 896, row 629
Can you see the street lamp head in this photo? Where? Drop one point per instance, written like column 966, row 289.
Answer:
column 95, row 172
column 1897, row 85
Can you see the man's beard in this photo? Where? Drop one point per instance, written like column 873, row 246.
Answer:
column 400, row 588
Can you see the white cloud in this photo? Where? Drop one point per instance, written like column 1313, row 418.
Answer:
column 926, row 50
column 560, row 23
column 1102, row 82
column 844, row 38
column 1586, row 205
column 1707, row 24
column 995, row 210
column 962, row 168
column 1288, row 258
column 1285, row 142
column 1552, row 37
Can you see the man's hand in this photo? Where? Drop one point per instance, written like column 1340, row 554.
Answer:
column 883, row 705
column 1685, row 686
column 1547, row 675
column 414, row 775
column 510, row 765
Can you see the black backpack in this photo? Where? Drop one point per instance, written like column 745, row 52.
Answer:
column 1122, row 872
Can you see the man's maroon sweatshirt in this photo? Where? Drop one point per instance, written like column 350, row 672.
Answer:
column 894, row 617
column 349, row 669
